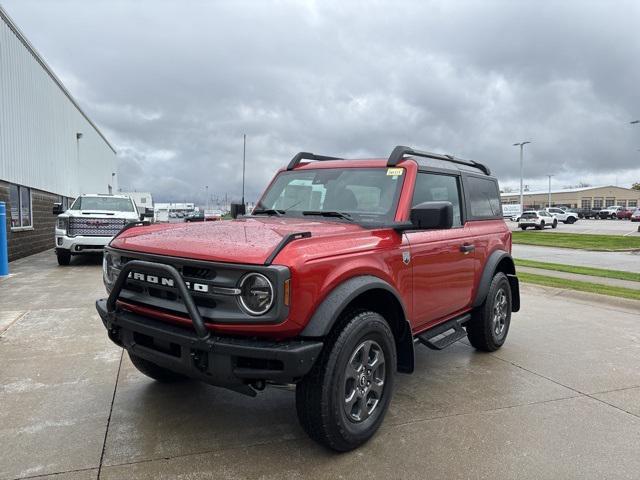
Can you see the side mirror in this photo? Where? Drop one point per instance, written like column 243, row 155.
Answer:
column 237, row 209
column 432, row 215
column 57, row 209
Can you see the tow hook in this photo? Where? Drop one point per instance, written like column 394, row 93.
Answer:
column 200, row 360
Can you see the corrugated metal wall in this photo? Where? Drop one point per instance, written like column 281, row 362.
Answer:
column 38, row 127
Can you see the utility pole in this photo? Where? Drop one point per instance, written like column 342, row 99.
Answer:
column 244, row 154
column 521, row 145
column 206, row 190
column 549, row 200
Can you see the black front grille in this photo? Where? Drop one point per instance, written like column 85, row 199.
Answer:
column 95, row 227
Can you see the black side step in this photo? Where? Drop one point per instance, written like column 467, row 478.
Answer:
column 455, row 324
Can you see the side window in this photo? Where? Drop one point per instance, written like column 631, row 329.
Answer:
column 432, row 187
column 20, row 202
column 484, row 198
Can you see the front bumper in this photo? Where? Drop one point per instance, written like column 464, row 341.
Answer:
column 81, row 243
column 233, row 363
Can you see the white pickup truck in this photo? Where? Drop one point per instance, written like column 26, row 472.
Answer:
column 90, row 223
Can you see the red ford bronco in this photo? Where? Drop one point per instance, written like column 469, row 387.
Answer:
column 342, row 267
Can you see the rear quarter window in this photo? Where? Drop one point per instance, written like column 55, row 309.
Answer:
column 483, row 198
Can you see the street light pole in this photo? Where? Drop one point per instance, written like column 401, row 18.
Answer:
column 206, row 201
column 244, row 154
column 549, row 200
column 521, row 145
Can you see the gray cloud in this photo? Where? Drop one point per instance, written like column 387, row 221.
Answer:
column 175, row 84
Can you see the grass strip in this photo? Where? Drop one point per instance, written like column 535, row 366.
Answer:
column 576, row 240
column 579, row 286
column 595, row 272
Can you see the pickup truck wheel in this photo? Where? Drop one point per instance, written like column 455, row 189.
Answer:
column 154, row 371
column 487, row 330
column 343, row 400
column 64, row 258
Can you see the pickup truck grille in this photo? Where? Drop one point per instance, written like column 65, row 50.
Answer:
column 95, row 227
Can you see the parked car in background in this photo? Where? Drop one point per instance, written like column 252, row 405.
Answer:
column 90, row 223
column 537, row 219
column 195, row 217
column 588, row 213
column 635, row 216
column 624, row 213
column 563, row 215
column 610, row 212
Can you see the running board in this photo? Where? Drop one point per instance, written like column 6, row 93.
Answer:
column 429, row 338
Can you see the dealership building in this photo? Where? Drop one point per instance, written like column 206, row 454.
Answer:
column 584, row 197
column 50, row 150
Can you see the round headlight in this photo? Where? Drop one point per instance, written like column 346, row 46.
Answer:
column 256, row 294
column 109, row 272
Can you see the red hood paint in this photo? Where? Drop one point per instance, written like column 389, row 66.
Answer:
column 245, row 240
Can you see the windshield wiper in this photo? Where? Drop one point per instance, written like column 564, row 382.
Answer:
column 329, row 213
column 267, row 211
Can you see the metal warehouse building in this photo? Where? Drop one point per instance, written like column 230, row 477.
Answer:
column 50, row 151
column 584, row 197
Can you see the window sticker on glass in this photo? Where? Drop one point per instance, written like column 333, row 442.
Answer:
column 394, row 172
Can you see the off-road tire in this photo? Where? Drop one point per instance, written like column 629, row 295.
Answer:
column 154, row 371
column 64, row 258
column 481, row 328
column 321, row 395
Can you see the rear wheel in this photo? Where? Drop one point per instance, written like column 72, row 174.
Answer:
column 64, row 257
column 571, row 220
column 343, row 400
column 487, row 330
column 154, row 371
column 541, row 226
column 523, row 227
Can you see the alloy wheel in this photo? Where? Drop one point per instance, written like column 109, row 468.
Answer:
column 364, row 381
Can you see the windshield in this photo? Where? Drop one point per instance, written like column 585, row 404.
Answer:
column 110, row 204
column 364, row 195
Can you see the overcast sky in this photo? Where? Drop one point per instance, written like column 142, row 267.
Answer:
column 175, row 84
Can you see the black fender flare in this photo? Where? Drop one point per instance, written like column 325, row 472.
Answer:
column 489, row 270
column 334, row 304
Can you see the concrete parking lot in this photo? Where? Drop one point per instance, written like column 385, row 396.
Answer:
column 594, row 227
column 560, row 400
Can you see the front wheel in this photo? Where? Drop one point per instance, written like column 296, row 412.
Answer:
column 343, row 400
column 523, row 227
column 487, row 330
column 554, row 224
column 64, row 257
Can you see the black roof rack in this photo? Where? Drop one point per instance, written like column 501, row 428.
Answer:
column 400, row 151
column 307, row 156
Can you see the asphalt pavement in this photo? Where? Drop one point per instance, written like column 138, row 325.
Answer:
column 625, row 261
column 561, row 400
column 593, row 227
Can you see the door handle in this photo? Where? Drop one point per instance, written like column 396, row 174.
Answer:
column 466, row 248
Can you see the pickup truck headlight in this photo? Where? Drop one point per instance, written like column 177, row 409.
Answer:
column 256, row 294
column 62, row 223
column 109, row 270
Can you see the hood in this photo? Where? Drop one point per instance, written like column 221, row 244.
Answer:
column 98, row 214
column 246, row 240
